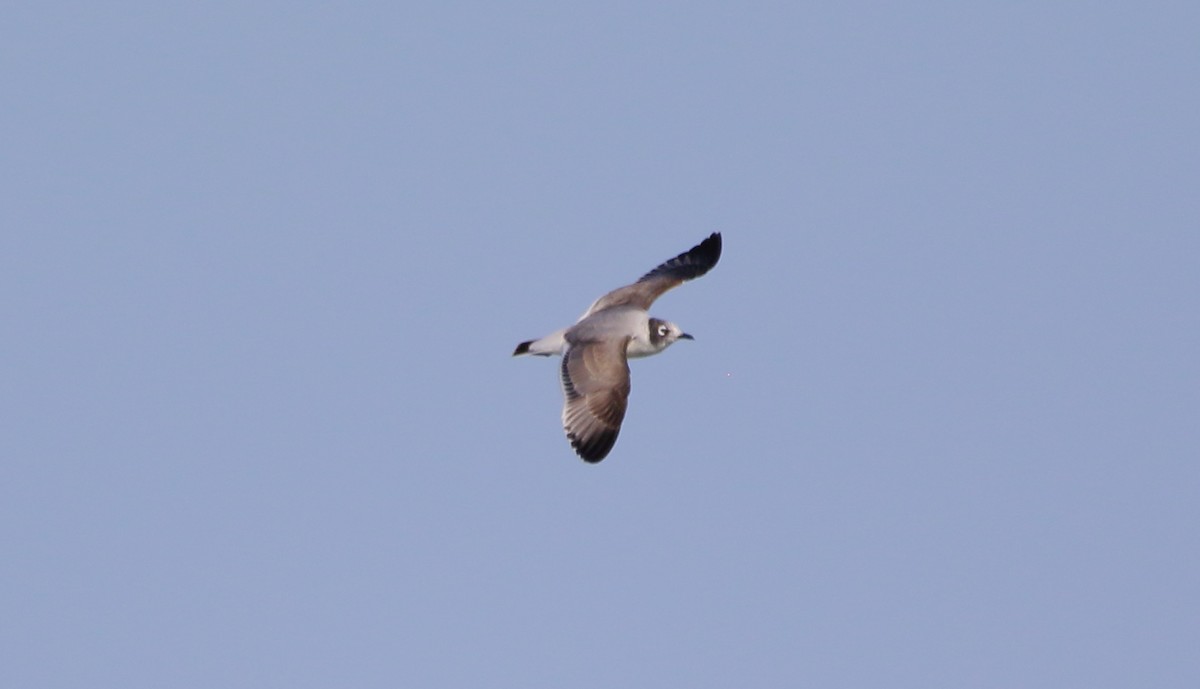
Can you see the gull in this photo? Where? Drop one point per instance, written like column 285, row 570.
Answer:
column 595, row 351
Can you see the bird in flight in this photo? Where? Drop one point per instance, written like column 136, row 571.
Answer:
column 595, row 351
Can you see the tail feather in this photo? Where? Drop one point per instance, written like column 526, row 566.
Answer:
column 547, row 346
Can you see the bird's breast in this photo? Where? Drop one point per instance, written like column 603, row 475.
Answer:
column 639, row 347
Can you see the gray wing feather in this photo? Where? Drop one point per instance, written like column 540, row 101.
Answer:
column 689, row 265
column 595, row 380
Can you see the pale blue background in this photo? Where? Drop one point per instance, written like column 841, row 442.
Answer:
column 263, row 264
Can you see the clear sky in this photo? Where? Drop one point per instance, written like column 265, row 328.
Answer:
column 263, row 265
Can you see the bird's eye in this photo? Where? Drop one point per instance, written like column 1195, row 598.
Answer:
column 662, row 330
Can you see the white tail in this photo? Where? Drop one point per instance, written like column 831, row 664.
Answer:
column 549, row 345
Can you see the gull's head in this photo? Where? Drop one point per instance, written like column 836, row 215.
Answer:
column 665, row 333
column 660, row 335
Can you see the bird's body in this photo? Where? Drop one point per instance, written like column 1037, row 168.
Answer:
column 595, row 351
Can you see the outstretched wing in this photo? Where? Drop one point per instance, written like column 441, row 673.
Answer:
column 595, row 380
column 689, row 265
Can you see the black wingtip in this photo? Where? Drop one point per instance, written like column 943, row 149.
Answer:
column 692, row 263
column 699, row 259
column 522, row 348
column 595, row 448
column 709, row 250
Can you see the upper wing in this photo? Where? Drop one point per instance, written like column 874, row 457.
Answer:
column 595, row 380
column 689, row 265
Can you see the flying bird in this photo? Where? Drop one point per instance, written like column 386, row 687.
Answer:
column 595, row 351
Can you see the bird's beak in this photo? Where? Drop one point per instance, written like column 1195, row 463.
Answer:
column 685, row 336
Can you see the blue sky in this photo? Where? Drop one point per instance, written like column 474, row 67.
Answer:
column 264, row 265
